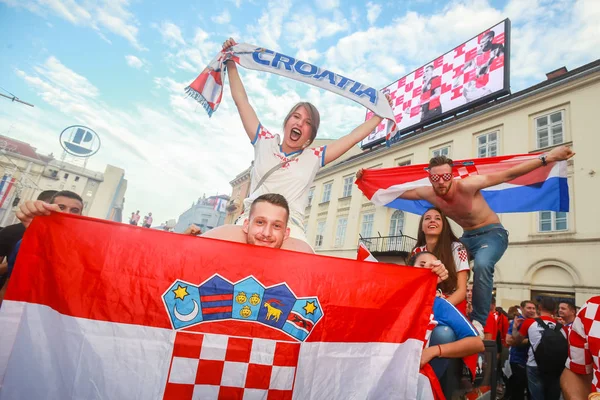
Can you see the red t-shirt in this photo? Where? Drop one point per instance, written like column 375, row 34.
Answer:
column 491, row 326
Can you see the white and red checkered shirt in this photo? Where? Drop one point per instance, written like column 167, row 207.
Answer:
column 584, row 342
column 218, row 367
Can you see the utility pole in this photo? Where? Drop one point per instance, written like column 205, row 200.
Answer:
column 14, row 98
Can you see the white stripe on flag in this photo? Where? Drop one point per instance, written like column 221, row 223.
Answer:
column 358, row 370
column 52, row 356
column 60, row 357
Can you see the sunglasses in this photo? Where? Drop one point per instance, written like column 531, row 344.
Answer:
column 437, row 177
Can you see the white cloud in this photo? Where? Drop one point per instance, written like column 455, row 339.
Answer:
column 171, row 34
column 304, row 29
column 310, row 55
column 196, row 55
column 373, row 11
column 223, row 18
column 267, row 30
column 111, row 15
column 134, row 62
column 170, row 155
column 327, row 4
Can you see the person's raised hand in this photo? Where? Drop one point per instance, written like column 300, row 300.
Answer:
column 560, row 153
column 439, row 269
column 192, row 230
column 30, row 209
column 229, row 43
column 359, row 173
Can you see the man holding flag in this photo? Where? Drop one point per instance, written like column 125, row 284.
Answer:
column 462, row 201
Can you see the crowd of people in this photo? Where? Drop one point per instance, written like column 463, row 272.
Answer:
column 464, row 315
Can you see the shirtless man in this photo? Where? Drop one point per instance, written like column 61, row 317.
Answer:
column 484, row 236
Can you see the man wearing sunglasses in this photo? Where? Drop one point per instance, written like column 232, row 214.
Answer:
column 484, row 236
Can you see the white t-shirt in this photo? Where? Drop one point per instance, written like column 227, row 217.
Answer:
column 292, row 181
column 532, row 330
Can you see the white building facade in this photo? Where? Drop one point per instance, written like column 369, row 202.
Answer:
column 549, row 253
column 103, row 193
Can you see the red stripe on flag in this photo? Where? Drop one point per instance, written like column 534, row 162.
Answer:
column 216, row 310
column 103, row 275
column 216, row 297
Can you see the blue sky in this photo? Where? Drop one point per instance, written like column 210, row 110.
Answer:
column 120, row 67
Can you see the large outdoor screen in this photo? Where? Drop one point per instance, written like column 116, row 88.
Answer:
column 470, row 74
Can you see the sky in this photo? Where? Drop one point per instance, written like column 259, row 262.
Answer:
column 120, row 67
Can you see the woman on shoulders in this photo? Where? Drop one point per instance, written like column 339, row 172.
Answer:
column 436, row 236
column 285, row 164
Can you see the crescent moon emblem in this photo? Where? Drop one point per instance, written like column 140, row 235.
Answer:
column 186, row 317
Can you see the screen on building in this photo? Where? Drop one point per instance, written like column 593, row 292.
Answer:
column 472, row 73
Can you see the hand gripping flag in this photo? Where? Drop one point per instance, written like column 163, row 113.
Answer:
column 207, row 88
column 543, row 189
column 97, row 309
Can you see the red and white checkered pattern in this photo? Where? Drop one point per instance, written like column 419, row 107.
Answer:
column 584, row 342
column 453, row 72
column 318, row 151
column 464, row 172
column 462, row 254
column 265, row 134
column 207, row 366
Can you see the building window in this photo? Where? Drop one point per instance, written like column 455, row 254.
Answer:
column 348, row 182
column 311, row 194
column 551, row 221
column 76, row 179
column 397, row 223
column 53, row 173
column 442, row 151
column 340, row 233
column 326, row 192
column 487, row 145
column 404, row 163
column 549, row 129
column 320, row 233
column 66, row 176
column 366, row 228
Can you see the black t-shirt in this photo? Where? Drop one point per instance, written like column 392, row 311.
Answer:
column 9, row 237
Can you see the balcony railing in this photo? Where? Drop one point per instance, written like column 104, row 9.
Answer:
column 390, row 245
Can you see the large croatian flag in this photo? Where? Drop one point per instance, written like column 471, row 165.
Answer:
column 543, row 189
column 101, row 310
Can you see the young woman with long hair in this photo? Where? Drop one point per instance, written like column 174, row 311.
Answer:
column 436, row 236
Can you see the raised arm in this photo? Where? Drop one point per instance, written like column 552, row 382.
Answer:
column 345, row 143
column 238, row 92
column 478, row 182
column 413, row 194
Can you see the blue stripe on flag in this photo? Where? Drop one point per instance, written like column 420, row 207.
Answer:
column 551, row 195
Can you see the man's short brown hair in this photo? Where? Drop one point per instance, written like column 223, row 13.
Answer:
column 272, row 198
column 440, row 160
column 570, row 305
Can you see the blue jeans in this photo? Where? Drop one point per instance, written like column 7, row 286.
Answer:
column 486, row 245
column 540, row 388
column 447, row 370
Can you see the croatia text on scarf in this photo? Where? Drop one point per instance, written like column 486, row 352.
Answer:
column 207, row 89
